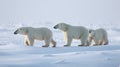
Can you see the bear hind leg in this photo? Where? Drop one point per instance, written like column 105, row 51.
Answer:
column 96, row 42
column 47, row 42
column 54, row 43
column 100, row 42
column 106, row 43
column 84, row 41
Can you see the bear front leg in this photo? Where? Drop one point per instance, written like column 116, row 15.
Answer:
column 26, row 42
column 96, row 42
column 89, row 41
column 68, row 41
column 30, row 41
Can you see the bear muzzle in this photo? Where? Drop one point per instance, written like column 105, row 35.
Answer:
column 55, row 27
column 16, row 32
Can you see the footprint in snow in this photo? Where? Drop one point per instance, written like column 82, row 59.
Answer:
column 77, row 53
column 48, row 55
column 61, row 62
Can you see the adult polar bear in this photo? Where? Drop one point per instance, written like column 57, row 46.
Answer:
column 36, row 33
column 99, row 36
column 73, row 32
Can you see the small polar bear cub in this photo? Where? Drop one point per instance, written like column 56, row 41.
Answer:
column 73, row 32
column 99, row 36
column 36, row 33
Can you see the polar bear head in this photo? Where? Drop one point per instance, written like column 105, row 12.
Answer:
column 92, row 32
column 62, row 26
column 22, row 30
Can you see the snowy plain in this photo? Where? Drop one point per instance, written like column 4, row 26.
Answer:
column 47, row 13
column 14, row 53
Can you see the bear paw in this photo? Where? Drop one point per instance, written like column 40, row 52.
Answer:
column 54, row 46
column 45, row 46
column 81, row 45
column 95, row 45
column 66, row 45
column 106, row 43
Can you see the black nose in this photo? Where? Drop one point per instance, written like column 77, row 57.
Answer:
column 55, row 27
column 15, row 32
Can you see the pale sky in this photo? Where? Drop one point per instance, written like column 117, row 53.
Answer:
column 84, row 11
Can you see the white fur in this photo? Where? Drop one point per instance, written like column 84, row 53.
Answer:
column 99, row 36
column 36, row 33
column 73, row 32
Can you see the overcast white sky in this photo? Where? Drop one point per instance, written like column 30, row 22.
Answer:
column 84, row 11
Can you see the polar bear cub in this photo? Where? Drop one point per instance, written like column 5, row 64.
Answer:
column 73, row 32
column 36, row 33
column 99, row 36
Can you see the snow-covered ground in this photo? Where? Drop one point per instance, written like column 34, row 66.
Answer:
column 92, row 14
column 14, row 53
